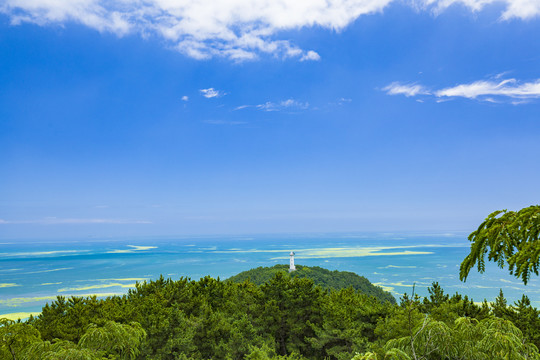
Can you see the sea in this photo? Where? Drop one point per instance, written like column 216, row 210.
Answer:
column 35, row 272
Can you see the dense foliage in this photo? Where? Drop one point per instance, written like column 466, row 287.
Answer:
column 323, row 277
column 285, row 318
column 507, row 237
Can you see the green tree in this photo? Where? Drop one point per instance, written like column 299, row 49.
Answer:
column 111, row 341
column 500, row 307
column 68, row 318
column 289, row 308
column 123, row 341
column 507, row 237
column 267, row 353
column 526, row 318
column 350, row 318
column 59, row 350
column 491, row 338
column 436, row 297
column 15, row 338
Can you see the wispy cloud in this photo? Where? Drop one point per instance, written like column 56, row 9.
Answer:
column 507, row 88
column 493, row 90
column 185, row 98
column 396, row 88
column 211, row 93
column 59, row 221
column 513, row 9
column 237, row 30
column 289, row 104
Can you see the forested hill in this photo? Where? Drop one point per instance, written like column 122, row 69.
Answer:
column 325, row 278
column 286, row 318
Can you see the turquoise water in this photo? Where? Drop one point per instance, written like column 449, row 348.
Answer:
column 34, row 272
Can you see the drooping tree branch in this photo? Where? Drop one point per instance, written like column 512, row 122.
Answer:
column 507, row 237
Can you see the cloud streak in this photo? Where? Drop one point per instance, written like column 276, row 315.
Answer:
column 408, row 90
column 507, row 88
column 289, row 104
column 235, row 29
column 494, row 90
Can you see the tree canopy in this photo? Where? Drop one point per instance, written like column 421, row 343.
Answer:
column 285, row 318
column 327, row 279
column 507, row 237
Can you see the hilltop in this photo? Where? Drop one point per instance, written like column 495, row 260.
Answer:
column 325, row 278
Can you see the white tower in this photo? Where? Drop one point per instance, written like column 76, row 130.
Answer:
column 292, row 267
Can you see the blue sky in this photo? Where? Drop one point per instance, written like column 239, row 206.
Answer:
column 198, row 117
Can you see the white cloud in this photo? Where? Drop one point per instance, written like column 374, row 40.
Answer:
column 185, row 98
column 289, row 104
column 408, row 90
column 211, row 93
column 508, row 88
column 485, row 90
column 523, row 9
column 520, row 9
column 235, row 29
column 310, row 55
